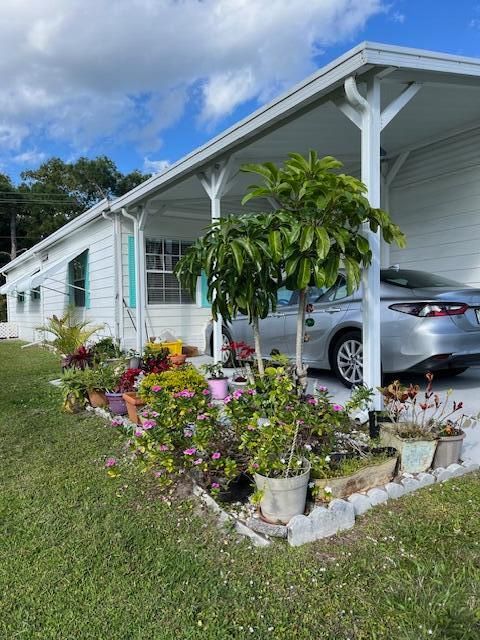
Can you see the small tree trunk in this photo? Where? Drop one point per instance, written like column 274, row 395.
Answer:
column 258, row 349
column 301, row 370
column 13, row 235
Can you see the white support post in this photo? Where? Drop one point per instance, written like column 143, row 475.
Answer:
column 142, row 269
column 216, row 183
column 371, row 175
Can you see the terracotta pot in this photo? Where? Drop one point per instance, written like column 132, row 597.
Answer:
column 178, row 359
column 97, row 398
column 134, row 404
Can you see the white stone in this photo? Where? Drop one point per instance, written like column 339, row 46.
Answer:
column 425, row 479
column 410, row 485
column 444, row 475
column 456, row 470
column 470, row 466
column 436, row 472
column 377, row 496
column 324, row 522
column 360, row 503
column 344, row 513
column 300, row 531
column 394, row 490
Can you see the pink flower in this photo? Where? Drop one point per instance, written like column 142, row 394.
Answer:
column 210, row 405
column 322, row 389
column 206, row 392
column 156, row 387
column 237, row 394
column 216, row 455
column 154, row 414
column 198, row 461
column 188, row 433
column 184, row 394
column 157, row 474
column 202, row 416
column 163, row 447
column 149, row 424
column 337, row 407
column 139, row 432
column 255, row 465
column 110, row 462
column 215, row 485
column 251, row 392
column 117, row 422
column 190, row 452
column 312, row 401
column 227, row 399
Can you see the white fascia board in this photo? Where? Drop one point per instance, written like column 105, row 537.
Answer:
column 300, row 96
column 420, row 59
column 70, row 227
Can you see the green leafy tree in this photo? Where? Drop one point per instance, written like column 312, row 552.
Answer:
column 319, row 227
column 241, row 272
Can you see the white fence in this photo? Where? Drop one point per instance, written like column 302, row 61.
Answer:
column 8, row 330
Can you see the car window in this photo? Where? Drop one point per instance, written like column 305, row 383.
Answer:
column 412, row 279
column 284, row 297
column 338, row 291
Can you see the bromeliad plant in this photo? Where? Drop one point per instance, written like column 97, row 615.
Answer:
column 423, row 414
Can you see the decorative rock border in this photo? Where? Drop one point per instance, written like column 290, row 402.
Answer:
column 323, row 522
column 340, row 515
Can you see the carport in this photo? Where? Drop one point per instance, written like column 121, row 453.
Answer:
column 376, row 108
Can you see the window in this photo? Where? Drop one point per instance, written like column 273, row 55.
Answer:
column 21, row 297
column 161, row 256
column 77, row 272
column 411, row 279
column 35, row 294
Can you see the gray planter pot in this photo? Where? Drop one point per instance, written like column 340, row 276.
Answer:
column 416, row 455
column 448, row 450
column 283, row 498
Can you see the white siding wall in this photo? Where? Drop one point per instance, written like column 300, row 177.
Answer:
column 98, row 236
column 188, row 322
column 436, row 201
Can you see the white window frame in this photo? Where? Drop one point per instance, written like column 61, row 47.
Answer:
column 165, row 267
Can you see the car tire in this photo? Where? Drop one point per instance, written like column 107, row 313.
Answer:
column 228, row 360
column 347, row 350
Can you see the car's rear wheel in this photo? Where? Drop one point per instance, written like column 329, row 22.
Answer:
column 227, row 356
column 347, row 359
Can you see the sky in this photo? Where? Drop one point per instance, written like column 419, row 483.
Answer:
column 147, row 81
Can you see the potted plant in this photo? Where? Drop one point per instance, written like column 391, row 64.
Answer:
column 280, row 470
column 177, row 359
column 350, row 472
column 217, row 381
column 242, row 356
column 129, row 384
column 74, row 389
column 413, row 425
column 450, row 434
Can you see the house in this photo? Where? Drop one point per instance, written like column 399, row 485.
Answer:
column 407, row 121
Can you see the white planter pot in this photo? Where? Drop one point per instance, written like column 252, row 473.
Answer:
column 283, row 498
column 416, row 455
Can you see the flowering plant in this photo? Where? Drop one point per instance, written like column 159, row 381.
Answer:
column 242, row 358
column 422, row 414
column 174, row 380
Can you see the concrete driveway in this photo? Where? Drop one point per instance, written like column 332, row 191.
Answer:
column 466, row 389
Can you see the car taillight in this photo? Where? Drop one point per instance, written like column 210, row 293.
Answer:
column 431, row 309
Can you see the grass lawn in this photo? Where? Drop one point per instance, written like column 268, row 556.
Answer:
column 84, row 556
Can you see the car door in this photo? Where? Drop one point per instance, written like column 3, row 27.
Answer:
column 272, row 328
column 328, row 307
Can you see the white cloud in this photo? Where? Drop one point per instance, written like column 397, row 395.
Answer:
column 398, row 17
column 85, row 72
column 30, row 157
column 155, row 166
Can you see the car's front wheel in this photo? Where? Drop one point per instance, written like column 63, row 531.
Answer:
column 347, row 358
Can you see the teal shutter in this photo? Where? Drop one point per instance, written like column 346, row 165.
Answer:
column 132, row 288
column 71, row 292
column 204, row 303
column 87, row 280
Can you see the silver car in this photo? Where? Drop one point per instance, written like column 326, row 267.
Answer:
column 429, row 323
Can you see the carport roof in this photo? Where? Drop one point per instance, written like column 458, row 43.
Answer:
column 305, row 117
column 402, row 66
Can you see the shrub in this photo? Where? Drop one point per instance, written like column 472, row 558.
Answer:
column 172, row 381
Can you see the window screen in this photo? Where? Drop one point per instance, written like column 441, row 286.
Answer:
column 161, row 256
